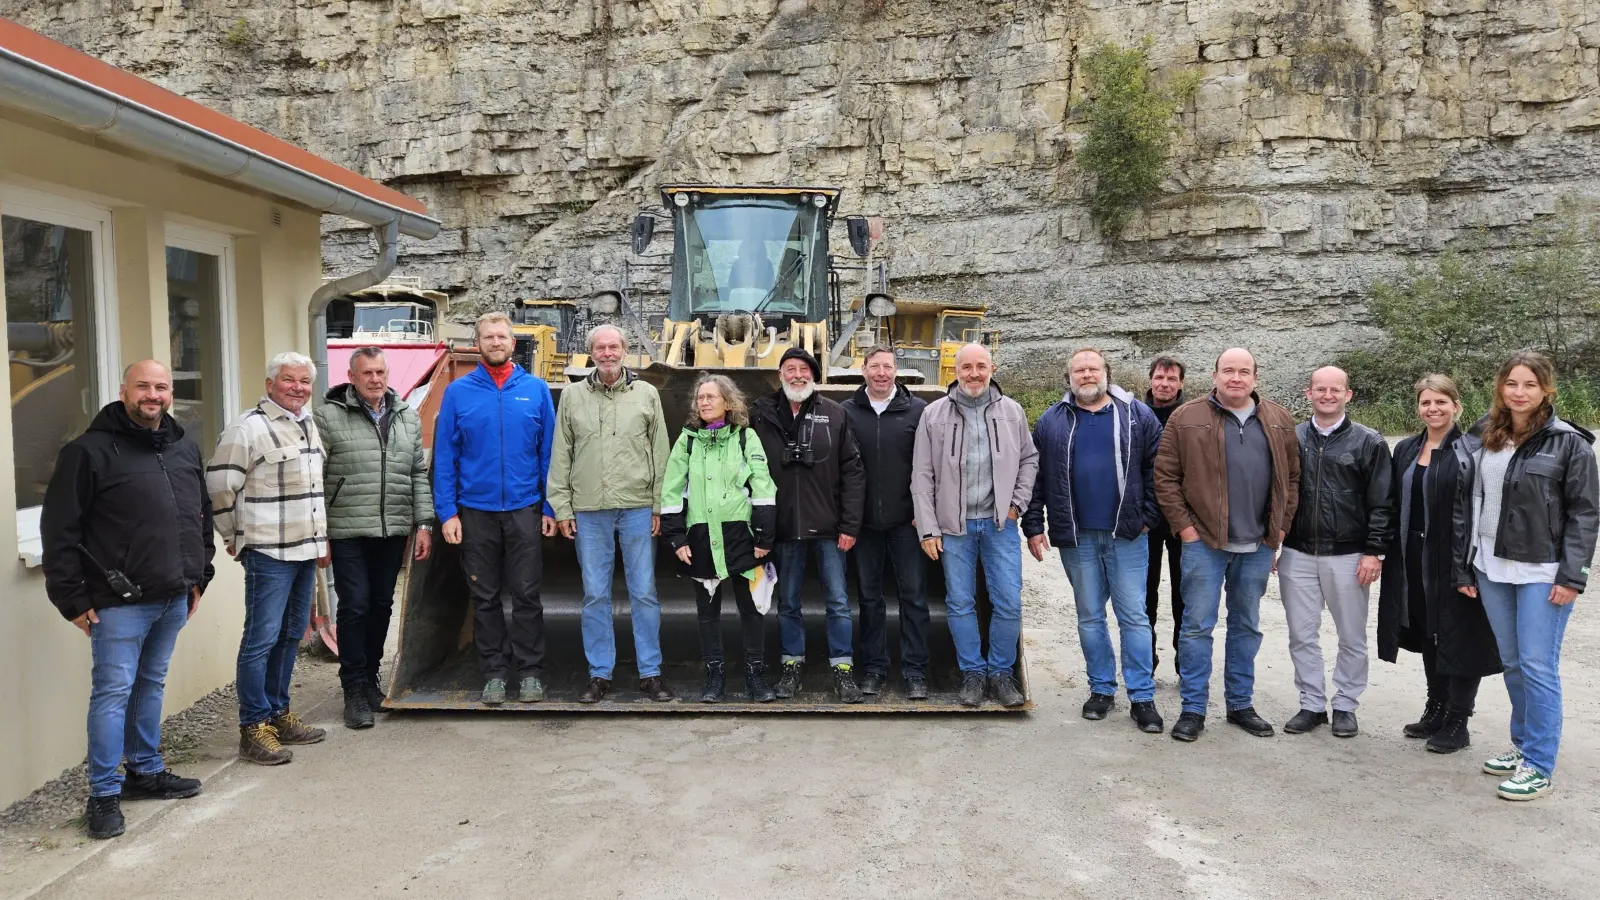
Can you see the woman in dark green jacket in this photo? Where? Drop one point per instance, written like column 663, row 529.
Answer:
column 719, row 515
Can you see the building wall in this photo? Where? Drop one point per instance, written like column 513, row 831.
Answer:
column 44, row 661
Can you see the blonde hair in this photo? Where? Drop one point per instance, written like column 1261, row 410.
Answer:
column 1439, row 384
column 490, row 318
column 738, row 411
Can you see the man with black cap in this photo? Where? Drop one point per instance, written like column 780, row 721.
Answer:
column 821, row 491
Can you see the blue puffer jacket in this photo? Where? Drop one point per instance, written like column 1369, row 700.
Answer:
column 1137, row 434
column 491, row 446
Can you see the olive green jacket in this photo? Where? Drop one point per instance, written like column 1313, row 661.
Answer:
column 377, row 484
column 610, row 447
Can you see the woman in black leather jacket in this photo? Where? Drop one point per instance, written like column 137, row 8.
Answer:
column 1419, row 608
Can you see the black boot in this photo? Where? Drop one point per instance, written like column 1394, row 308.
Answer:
column 357, row 709
column 716, row 683
column 789, row 681
column 1452, row 736
column 1430, row 723
column 755, row 687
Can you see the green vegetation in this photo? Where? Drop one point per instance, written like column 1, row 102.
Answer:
column 1474, row 309
column 239, row 35
column 1131, row 130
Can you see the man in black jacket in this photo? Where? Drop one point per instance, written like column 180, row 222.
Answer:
column 1164, row 396
column 1334, row 550
column 884, row 416
column 821, row 489
column 126, row 529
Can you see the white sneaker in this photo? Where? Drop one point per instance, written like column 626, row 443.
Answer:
column 1527, row 784
column 1505, row 765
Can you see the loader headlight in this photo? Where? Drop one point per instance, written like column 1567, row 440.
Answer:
column 680, row 200
column 819, row 201
column 880, row 305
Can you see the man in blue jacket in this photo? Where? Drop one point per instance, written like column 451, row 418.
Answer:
column 491, row 459
column 1097, row 451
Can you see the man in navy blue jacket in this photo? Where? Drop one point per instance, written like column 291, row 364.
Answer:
column 1097, row 451
column 491, row 452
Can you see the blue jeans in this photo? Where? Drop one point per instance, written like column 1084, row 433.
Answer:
column 1000, row 552
column 131, row 646
column 1205, row 573
column 1528, row 629
column 277, row 608
column 598, row 534
column 790, row 557
column 1102, row 567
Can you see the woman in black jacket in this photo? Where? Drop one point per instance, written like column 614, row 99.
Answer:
column 1419, row 608
column 1536, row 512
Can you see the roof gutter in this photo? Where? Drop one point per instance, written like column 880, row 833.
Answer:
column 31, row 86
column 317, row 310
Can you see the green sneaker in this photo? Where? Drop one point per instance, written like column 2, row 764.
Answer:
column 530, row 690
column 1505, row 765
column 494, row 692
column 1527, row 784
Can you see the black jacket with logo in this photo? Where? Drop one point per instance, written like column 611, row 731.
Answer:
column 824, row 499
column 1346, row 496
column 885, row 442
column 135, row 498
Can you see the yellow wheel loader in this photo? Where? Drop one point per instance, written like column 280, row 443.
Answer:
column 751, row 276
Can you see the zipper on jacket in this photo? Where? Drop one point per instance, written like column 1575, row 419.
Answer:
column 500, row 406
column 172, row 493
column 1316, row 506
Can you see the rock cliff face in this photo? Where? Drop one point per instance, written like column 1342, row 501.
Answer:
column 1330, row 143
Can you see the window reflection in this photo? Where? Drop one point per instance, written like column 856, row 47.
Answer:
column 194, row 297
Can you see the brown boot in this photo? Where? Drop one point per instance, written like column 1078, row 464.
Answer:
column 597, row 690
column 655, row 688
column 258, row 743
column 291, row 730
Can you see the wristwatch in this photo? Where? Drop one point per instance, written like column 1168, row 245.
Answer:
column 424, row 527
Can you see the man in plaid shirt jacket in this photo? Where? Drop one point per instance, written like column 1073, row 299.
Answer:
column 265, row 482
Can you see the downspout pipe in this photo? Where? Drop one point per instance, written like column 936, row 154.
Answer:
column 388, row 251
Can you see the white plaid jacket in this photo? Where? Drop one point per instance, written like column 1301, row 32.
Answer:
column 265, row 482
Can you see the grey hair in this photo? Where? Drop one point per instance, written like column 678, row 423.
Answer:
column 290, row 360
column 593, row 332
column 365, row 353
column 491, row 318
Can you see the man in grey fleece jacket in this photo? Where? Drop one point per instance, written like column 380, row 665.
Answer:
column 972, row 474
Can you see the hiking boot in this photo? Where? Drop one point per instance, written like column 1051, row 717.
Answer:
column 872, row 683
column 1453, row 735
column 163, row 785
column 1188, row 727
column 972, row 684
column 375, row 695
column 655, row 688
column 916, row 687
column 1305, row 720
column 1432, row 720
column 103, row 817
column 494, row 692
column 789, row 681
column 1344, row 723
column 716, row 684
column 1527, row 784
column 1505, row 765
column 844, row 684
column 1247, row 719
column 1005, row 690
column 357, row 711
column 755, row 687
column 1097, row 706
column 596, row 691
column 292, row 729
column 1145, row 716
column 258, row 743
column 531, row 690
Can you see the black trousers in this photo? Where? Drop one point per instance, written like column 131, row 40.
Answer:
column 364, row 573
column 500, row 554
column 1163, row 539
column 1459, row 691
column 900, row 548
column 752, row 625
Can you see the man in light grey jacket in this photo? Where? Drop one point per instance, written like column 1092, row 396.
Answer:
column 972, row 475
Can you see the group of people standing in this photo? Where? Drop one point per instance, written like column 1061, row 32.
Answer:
column 1483, row 538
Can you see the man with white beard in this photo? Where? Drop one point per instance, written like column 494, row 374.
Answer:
column 1097, row 451
column 821, row 492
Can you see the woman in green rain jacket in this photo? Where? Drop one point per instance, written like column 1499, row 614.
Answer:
column 719, row 515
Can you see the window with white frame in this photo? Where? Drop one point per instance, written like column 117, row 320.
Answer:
column 200, row 314
column 60, row 327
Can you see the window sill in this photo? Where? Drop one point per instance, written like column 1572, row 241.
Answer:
column 30, row 546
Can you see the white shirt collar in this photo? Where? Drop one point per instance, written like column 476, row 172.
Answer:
column 1330, row 429
column 301, row 416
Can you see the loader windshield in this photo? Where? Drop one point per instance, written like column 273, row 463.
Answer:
column 734, row 253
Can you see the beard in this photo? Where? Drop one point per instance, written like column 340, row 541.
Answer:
column 799, row 395
column 1089, row 393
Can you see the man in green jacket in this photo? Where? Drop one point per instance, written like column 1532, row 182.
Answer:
column 377, row 483
column 606, row 469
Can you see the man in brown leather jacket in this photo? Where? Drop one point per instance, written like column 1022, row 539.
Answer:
column 1227, row 477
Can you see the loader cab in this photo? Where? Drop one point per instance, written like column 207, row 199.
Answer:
column 749, row 249
column 545, row 331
